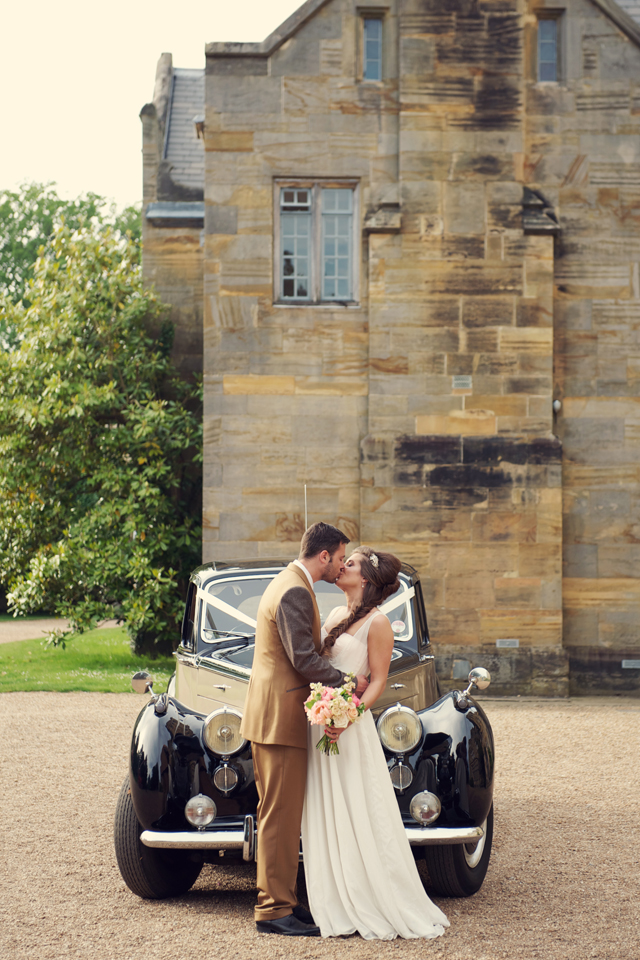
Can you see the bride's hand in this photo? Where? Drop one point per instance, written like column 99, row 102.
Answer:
column 334, row 732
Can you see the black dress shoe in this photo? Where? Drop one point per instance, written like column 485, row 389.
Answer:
column 288, row 926
column 302, row 914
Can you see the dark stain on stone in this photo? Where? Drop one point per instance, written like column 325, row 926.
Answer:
column 488, row 450
column 487, row 166
column 411, row 476
column 469, row 477
column 497, row 104
column 428, row 449
column 596, row 670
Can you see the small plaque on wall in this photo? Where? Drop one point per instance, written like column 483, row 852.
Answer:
column 460, row 382
column 507, row 643
column 631, row 664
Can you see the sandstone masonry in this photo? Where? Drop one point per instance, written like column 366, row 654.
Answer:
column 492, row 270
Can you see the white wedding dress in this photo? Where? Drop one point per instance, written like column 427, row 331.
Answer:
column 359, row 868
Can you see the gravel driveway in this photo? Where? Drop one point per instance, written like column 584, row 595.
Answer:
column 563, row 880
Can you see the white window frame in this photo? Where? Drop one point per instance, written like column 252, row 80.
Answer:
column 316, row 186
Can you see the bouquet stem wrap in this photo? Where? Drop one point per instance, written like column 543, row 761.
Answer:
column 333, row 707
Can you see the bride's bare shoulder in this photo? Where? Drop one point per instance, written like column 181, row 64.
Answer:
column 336, row 615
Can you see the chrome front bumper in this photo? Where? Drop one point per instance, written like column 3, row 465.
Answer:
column 244, row 839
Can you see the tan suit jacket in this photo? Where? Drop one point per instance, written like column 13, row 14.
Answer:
column 287, row 658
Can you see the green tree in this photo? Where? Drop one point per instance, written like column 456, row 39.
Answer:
column 28, row 217
column 100, row 443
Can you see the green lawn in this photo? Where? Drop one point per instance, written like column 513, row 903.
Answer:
column 9, row 618
column 98, row 661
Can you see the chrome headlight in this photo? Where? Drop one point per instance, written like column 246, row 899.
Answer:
column 425, row 807
column 221, row 732
column 399, row 729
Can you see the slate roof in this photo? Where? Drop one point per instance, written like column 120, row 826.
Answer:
column 632, row 7
column 182, row 148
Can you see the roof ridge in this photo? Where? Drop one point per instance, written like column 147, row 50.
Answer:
column 621, row 18
column 292, row 24
column 275, row 39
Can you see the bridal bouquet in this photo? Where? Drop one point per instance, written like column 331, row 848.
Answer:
column 333, row 707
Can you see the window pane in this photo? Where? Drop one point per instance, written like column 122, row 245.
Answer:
column 295, row 200
column 295, row 234
column 547, row 30
column 337, row 244
column 372, row 66
column 547, row 71
column 547, row 50
column 337, row 200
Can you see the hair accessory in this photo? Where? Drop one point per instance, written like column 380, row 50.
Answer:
column 374, row 560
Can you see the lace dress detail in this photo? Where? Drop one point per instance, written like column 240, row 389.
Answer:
column 359, row 868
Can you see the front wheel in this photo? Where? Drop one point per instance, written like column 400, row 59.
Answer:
column 459, row 870
column 149, row 873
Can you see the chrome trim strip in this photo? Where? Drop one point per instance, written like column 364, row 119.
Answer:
column 249, row 849
column 442, row 836
column 209, row 662
column 195, row 840
column 241, row 838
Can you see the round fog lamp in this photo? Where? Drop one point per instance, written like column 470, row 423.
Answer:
column 225, row 778
column 200, row 810
column 401, row 776
column 425, row 808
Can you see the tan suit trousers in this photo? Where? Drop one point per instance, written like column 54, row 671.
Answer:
column 281, row 775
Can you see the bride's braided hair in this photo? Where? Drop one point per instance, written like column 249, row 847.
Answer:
column 382, row 581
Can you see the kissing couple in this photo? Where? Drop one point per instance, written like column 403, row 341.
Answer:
column 360, row 871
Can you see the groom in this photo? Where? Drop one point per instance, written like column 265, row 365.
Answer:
column 287, row 659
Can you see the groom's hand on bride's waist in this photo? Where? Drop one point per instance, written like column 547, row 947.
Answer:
column 361, row 685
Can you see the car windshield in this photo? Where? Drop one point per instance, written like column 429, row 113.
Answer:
column 233, row 607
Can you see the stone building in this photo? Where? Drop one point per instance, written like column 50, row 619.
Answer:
column 173, row 201
column 421, row 298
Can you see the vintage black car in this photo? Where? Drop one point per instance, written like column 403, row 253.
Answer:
column 190, row 797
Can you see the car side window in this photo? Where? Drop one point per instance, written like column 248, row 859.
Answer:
column 188, row 622
column 423, row 628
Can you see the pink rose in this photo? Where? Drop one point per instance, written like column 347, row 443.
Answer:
column 352, row 712
column 327, row 693
column 320, row 713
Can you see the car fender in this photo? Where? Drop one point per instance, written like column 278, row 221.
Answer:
column 455, row 760
column 168, row 764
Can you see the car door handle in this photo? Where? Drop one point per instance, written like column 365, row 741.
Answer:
column 397, row 686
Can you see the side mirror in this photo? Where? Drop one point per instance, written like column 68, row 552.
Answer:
column 478, row 677
column 142, row 682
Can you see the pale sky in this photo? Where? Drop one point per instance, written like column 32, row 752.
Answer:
column 75, row 76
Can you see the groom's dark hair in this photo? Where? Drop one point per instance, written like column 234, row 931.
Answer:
column 321, row 536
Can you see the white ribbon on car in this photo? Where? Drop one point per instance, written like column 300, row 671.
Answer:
column 396, row 601
column 243, row 618
column 226, row 608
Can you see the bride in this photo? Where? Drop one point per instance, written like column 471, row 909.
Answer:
column 359, row 868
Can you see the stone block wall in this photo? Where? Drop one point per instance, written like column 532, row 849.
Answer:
column 421, row 417
column 583, row 152
column 285, row 386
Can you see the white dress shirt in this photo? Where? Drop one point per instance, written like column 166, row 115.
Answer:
column 302, row 567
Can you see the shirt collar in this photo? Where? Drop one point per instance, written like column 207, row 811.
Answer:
column 308, row 575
